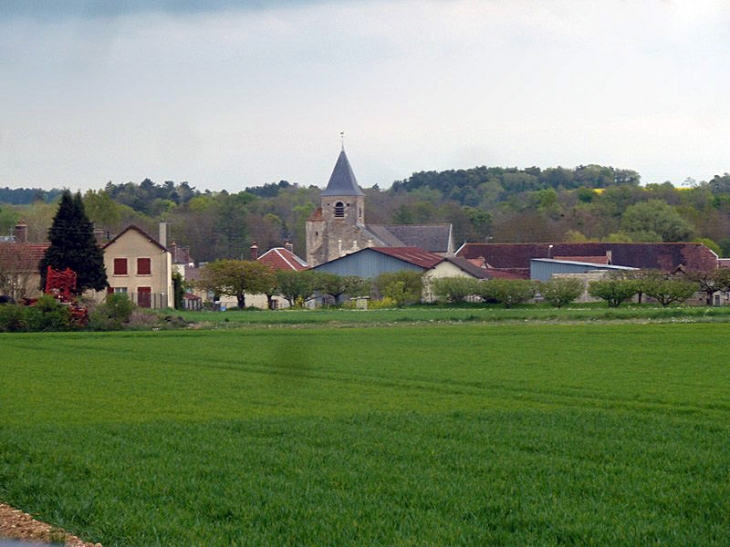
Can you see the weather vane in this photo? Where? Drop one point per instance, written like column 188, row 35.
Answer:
column 342, row 139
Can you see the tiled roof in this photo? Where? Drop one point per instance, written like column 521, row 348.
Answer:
column 515, row 257
column 280, row 258
column 412, row 255
column 342, row 181
column 435, row 238
column 22, row 257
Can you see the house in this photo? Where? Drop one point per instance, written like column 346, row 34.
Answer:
column 281, row 258
column 20, row 265
column 338, row 227
column 514, row 258
column 141, row 267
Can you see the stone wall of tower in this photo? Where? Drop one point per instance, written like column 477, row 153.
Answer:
column 330, row 236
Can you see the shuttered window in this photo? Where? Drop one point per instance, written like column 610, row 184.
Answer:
column 120, row 266
column 144, row 266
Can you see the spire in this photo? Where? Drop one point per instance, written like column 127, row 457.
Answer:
column 342, row 181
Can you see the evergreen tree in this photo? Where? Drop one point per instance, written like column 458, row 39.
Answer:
column 74, row 246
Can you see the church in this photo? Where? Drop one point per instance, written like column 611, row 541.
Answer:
column 337, row 227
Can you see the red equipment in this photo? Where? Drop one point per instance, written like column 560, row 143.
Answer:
column 62, row 286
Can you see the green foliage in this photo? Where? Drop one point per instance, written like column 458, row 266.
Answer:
column 178, row 288
column 455, row 289
column 74, row 246
column 438, row 435
column 236, row 278
column 46, row 315
column 654, row 219
column 338, row 285
column 666, row 290
column 508, row 292
column 561, row 291
column 403, row 287
column 295, row 287
column 613, row 291
column 112, row 314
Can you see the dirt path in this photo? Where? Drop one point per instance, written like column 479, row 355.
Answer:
column 15, row 524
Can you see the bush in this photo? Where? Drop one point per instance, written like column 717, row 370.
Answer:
column 561, row 291
column 112, row 314
column 508, row 292
column 403, row 287
column 12, row 318
column 455, row 289
column 46, row 315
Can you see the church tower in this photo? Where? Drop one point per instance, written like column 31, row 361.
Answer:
column 337, row 227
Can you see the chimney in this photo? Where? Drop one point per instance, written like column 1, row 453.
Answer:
column 99, row 236
column 173, row 252
column 21, row 232
column 289, row 247
column 163, row 234
column 609, row 256
column 254, row 252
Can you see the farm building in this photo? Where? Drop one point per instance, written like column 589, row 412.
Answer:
column 542, row 269
column 514, row 258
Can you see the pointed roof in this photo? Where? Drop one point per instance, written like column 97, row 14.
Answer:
column 133, row 228
column 281, row 258
column 342, row 181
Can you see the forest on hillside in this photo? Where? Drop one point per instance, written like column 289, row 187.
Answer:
column 586, row 203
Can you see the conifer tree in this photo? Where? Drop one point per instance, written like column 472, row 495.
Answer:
column 74, row 246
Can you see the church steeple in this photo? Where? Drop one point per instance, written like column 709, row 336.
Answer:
column 342, row 181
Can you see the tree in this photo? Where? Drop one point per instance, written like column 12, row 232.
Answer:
column 710, row 281
column 655, row 217
column 403, row 287
column 560, row 291
column 295, row 286
column 667, row 290
column 338, row 285
column 235, row 278
column 74, row 246
column 613, row 291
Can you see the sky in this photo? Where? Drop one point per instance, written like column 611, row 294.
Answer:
column 228, row 94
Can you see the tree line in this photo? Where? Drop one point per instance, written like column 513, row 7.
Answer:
column 587, row 203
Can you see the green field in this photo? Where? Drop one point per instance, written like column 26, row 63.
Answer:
column 457, row 434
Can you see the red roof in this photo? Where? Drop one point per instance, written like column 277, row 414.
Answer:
column 280, row 258
column 413, row 255
column 22, row 257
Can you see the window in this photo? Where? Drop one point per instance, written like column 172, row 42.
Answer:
column 339, row 210
column 120, row 290
column 144, row 266
column 120, row 266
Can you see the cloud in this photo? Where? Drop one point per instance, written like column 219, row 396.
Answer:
column 68, row 9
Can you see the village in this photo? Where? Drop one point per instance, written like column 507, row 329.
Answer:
column 340, row 243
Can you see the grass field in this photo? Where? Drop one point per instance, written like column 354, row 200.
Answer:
column 459, row 434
